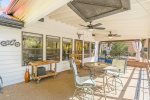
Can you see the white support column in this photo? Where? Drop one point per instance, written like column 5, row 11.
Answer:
column 44, row 47
column 96, row 51
column 60, row 48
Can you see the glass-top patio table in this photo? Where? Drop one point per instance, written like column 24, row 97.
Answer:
column 93, row 66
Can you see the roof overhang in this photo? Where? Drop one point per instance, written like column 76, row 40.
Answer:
column 10, row 21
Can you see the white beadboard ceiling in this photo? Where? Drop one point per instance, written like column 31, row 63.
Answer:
column 132, row 24
column 30, row 11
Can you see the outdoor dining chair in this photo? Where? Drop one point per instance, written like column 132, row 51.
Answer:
column 114, row 71
column 83, row 85
column 1, row 84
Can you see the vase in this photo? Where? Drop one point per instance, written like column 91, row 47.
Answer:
column 27, row 76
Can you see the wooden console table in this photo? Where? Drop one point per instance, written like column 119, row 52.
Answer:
column 50, row 72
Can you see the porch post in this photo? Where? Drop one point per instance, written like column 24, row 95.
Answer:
column 96, row 51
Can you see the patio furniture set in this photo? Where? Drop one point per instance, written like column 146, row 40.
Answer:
column 85, row 86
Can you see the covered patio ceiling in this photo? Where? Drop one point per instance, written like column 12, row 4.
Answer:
column 30, row 11
column 131, row 24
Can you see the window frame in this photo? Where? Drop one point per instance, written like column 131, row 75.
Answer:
column 89, row 49
column 91, row 53
column 59, row 45
column 75, row 45
column 81, row 56
column 62, row 47
column 22, row 34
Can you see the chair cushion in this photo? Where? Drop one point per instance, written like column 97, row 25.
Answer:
column 111, row 70
column 85, row 81
column 112, row 73
column 120, row 64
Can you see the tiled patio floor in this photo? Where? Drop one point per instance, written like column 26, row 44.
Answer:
column 135, row 87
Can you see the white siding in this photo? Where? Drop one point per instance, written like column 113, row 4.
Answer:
column 11, row 69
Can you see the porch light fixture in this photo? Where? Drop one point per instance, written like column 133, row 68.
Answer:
column 91, row 30
column 90, row 10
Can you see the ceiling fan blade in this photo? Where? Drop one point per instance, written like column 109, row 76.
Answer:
column 116, row 35
column 83, row 25
column 100, row 28
column 98, row 24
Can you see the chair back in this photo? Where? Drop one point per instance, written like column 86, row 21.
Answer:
column 74, row 67
column 120, row 64
column 75, row 72
column 1, row 83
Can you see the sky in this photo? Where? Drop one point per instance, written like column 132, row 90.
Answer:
column 4, row 3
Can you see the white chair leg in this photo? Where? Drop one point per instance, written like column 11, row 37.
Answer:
column 115, row 86
column 74, row 94
column 120, row 82
column 92, row 93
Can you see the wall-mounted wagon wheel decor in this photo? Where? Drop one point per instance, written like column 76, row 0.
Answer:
column 10, row 43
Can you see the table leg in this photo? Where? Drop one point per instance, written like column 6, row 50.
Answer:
column 50, row 67
column 55, row 67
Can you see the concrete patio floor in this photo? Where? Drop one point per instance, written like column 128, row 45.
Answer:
column 136, row 87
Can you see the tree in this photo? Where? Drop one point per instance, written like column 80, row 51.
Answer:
column 119, row 49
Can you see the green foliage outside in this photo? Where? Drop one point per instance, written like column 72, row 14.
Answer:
column 119, row 49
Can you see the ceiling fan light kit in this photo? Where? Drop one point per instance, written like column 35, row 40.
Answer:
column 110, row 35
column 91, row 26
column 91, row 30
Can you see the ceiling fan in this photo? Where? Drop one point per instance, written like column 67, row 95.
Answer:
column 95, row 26
column 110, row 35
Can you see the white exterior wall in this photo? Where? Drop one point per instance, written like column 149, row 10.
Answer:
column 11, row 68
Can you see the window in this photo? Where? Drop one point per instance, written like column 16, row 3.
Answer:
column 78, row 48
column 4, row 4
column 92, row 48
column 66, row 48
column 32, row 47
column 52, row 48
column 86, row 49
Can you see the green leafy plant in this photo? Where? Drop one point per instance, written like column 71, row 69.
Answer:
column 119, row 49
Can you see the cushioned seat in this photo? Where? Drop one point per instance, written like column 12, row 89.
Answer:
column 85, row 81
